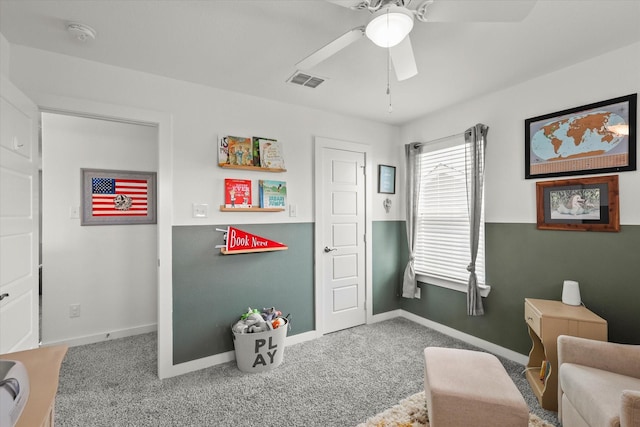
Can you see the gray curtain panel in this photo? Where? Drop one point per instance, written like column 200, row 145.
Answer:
column 409, row 282
column 475, row 143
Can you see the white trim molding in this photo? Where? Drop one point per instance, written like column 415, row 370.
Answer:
column 469, row 339
column 104, row 336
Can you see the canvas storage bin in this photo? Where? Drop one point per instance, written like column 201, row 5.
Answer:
column 260, row 351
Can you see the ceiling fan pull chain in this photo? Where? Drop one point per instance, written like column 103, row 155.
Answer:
column 388, row 79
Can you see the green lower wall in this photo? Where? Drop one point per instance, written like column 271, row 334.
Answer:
column 523, row 261
column 389, row 253
column 211, row 290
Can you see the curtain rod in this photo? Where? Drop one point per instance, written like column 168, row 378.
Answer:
column 440, row 139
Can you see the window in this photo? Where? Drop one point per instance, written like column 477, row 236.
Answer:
column 442, row 242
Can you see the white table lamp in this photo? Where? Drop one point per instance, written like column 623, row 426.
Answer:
column 571, row 293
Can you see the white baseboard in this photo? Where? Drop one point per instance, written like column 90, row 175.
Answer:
column 311, row 335
column 205, row 362
column 469, row 339
column 105, row 336
column 229, row 356
column 303, row 337
column 385, row 316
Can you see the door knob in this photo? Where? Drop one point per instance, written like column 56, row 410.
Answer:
column 3, row 296
column 327, row 250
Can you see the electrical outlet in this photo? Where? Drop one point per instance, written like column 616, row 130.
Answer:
column 74, row 310
column 418, row 292
column 293, row 210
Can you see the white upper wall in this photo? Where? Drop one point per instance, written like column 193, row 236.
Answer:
column 5, row 55
column 200, row 115
column 509, row 197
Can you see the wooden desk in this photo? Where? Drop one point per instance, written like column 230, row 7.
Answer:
column 43, row 366
column 547, row 320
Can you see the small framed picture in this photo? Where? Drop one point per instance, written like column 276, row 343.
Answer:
column 586, row 204
column 112, row 197
column 386, row 179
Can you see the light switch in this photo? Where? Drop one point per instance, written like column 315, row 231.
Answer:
column 293, row 210
column 200, row 210
column 74, row 212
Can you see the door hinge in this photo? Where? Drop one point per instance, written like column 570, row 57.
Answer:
column 364, row 169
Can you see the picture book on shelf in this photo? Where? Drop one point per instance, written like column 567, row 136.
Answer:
column 237, row 193
column 273, row 194
column 256, row 150
column 240, row 151
column 223, row 151
column 271, row 154
column 545, row 370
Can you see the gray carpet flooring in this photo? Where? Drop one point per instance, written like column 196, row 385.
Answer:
column 338, row 380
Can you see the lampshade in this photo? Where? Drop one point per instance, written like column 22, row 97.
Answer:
column 571, row 293
column 389, row 26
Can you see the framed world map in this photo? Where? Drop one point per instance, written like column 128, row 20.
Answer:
column 593, row 138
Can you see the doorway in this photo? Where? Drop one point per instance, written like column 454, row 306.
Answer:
column 98, row 282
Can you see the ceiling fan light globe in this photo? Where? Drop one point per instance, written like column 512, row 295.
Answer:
column 389, row 26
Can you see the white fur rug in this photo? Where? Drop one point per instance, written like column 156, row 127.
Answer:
column 412, row 412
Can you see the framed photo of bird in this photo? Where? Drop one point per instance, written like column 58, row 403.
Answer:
column 583, row 204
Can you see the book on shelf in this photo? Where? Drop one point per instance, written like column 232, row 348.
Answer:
column 273, row 194
column 223, row 151
column 256, row 150
column 240, row 151
column 546, row 375
column 237, row 193
column 271, row 153
column 545, row 370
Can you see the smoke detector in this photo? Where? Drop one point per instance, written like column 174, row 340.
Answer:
column 81, row 32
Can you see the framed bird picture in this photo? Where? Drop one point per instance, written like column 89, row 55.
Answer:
column 585, row 204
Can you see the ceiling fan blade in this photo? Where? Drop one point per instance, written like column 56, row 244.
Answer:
column 403, row 60
column 346, row 3
column 478, row 10
column 331, row 49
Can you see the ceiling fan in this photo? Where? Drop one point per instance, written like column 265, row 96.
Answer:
column 391, row 21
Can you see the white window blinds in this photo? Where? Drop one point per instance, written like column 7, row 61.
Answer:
column 442, row 243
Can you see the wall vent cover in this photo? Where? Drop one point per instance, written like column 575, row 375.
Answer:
column 307, row 80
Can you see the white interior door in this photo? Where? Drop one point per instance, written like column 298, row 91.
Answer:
column 341, row 234
column 18, row 220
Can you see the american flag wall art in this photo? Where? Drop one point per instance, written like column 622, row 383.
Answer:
column 118, row 197
column 122, row 197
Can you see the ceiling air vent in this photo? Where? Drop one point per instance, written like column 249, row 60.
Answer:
column 307, row 80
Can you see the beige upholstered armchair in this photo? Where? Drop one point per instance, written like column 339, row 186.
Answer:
column 598, row 383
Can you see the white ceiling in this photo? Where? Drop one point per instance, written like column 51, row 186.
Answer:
column 252, row 47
